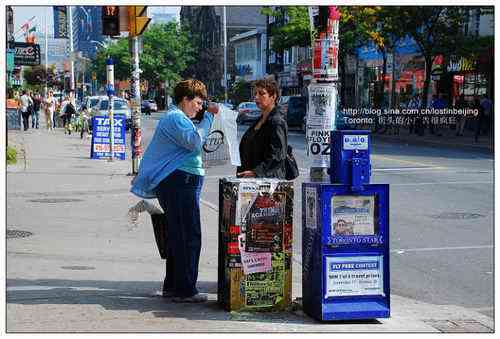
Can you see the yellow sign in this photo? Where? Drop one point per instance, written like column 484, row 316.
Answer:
column 138, row 21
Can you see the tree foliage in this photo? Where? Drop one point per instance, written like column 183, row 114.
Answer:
column 166, row 53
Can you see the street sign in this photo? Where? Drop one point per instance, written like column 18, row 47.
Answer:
column 138, row 20
column 25, row 54
column 100, row 145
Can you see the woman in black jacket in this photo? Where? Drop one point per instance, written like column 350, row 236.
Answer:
column 263, row 147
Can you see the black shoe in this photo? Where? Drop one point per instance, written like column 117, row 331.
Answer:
column 197, row 298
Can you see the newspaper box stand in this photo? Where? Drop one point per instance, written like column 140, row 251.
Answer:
column 345, row 240
column 255, row 244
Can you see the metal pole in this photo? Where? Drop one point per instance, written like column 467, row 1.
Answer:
column 111, row 91
column 135, row 100
column 46, row 52
column 71, row 51
column 225, row 51
column 323, row 90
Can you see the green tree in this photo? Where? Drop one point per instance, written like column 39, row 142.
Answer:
column 36, row 76
column 166, row 52
column 437, row 30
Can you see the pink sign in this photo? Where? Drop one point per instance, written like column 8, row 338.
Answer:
column 256, row 262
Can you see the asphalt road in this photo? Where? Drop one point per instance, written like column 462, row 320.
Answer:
column 441, row 217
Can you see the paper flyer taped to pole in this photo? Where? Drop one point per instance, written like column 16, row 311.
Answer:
column 222, row 144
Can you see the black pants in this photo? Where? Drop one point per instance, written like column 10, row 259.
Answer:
column 179, row 197
column 26, row 119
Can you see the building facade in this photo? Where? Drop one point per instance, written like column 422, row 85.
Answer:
column 249, row 55
column 207, row 29
column 291, row 68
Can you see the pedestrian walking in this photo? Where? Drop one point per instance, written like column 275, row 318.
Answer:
column 487, row 106
column 461, row 104
column 26, row 108
column 67, row 112
column 50, row 108
column 35, row 114
column 263, row 147
column 479, row 118
column 171, row 170
column 415, row 104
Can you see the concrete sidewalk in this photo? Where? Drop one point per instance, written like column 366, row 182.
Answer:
column 85, row 269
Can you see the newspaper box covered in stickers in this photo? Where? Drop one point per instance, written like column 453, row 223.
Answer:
column 255, row 244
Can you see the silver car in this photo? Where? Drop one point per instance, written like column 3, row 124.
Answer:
column 120, row 107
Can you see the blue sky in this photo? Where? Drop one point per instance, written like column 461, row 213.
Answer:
column 24, row 13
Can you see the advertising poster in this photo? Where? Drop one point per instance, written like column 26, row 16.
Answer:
column 311, row 218
column 264, row 228
column 60, row 22
column 247, row 194
column 354, row 276
column 25, row 53
column 100, row 145
column 266, row 289
column 253, row 262
column 353, row 215
column 322, row 106
column 318, row 146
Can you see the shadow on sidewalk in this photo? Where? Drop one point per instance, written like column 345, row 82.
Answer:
column 140, row 296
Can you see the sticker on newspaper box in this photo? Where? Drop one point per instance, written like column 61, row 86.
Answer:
column 310, row 206
column 355, row 142
column 354, row 276
column 353, row 215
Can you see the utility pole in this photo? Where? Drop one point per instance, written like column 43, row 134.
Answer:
column 225, row 51
column 46, row 52
column 323, row 90
column 135, row 100
column 71, row 50
column 137, row 23
column 110, row 88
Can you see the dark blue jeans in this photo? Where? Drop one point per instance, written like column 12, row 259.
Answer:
column 179, row 196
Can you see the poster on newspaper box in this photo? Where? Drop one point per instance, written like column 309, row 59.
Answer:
column 353, row 215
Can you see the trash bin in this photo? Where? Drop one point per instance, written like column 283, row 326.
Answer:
column 255, row 244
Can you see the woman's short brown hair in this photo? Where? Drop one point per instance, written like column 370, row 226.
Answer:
column 270, row 86
column 190, row 88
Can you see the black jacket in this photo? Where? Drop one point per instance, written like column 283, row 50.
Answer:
column 264, row 151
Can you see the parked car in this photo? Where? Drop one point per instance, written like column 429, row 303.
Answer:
column 120, row 107
column 296, row 111
column 283, row 104
column 228, row 105
column 149, row 106
column 247, row 112
column 90, row 102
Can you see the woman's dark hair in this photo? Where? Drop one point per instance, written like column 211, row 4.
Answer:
column 270, row 86
column 189, row 88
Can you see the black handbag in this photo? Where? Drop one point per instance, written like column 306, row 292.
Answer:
column 291, row 168
column 160, row 231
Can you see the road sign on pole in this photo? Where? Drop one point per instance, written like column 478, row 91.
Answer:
column 110, row 88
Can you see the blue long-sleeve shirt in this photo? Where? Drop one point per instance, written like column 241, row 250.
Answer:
column 175, row 139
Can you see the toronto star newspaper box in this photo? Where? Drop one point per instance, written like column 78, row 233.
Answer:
column 345, row 237
column 255, row 244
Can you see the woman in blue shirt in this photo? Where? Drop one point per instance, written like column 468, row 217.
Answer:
column 171, row 170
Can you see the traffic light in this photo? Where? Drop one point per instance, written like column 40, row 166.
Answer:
column 110, row 20
column 137, row 20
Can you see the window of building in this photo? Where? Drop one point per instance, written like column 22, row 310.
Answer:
column 246, row 51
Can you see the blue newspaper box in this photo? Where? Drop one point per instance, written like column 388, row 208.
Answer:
column 350, row 157
column 345, row 251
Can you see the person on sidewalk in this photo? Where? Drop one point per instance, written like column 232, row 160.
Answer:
column 26, row 108
column 50, row 108
column 478, row 119
column 35, row 114
column 67, row 112
column 487, row 107
column 171, row 170
column 461, row 119
column 263, row 147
